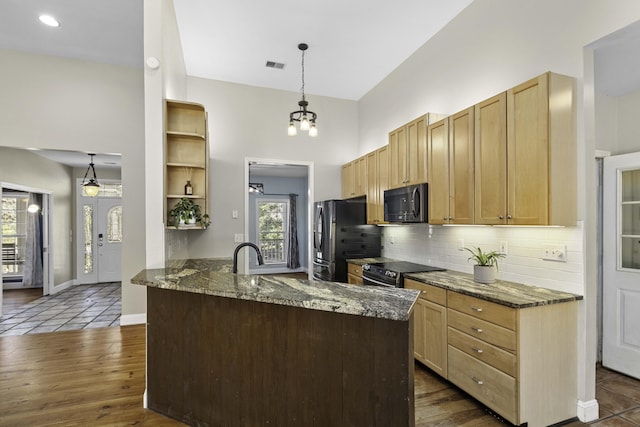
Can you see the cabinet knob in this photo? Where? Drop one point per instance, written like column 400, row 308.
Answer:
column 477, row 350
column 450, row 218
column 444, row 219
column 477, row 381
column 500, row 217
column 508, row 216
column 478, row 330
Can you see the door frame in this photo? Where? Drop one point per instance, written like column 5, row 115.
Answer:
column 310, row 200
column 47, row 235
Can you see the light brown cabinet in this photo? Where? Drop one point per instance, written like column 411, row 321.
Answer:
column 525, row 154
column 354, row 178
column 377, row 182
column 354, row 274
column 408, row 153
column 186, row 156
column 430, row 326
column 450, row 165
column 518, row 362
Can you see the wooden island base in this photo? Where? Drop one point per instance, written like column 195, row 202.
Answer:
column 219, row 361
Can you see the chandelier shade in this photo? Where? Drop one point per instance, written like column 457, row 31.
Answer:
column 305, row 117
column 91, row 187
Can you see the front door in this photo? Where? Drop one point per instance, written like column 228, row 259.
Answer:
column 109, row 240
column 621, row 264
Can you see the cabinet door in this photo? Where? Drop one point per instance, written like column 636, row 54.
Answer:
column 438, row 172
column 383, row 180
column 419, row 335
column 461, row 167
column 348, row 178
column 435, row 337
column 360, row 176
column 372, row 187
column 491, row 161
column 416, row 152
column 397, row 158
column 528, row 153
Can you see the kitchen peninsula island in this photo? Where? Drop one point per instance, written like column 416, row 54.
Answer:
column 247, row 350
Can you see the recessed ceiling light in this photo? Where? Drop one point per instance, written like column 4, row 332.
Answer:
column 49, row 20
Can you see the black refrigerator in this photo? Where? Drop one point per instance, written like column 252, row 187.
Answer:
column 340, row 232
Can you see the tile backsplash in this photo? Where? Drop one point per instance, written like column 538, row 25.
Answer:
column 438, row 245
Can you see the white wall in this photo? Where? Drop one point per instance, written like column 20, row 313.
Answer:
column 618, row 130
column 57, row 103
column 25, row 168
column 248, row 121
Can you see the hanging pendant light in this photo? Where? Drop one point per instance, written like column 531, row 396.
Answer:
column 91, row 187
column 306, row 118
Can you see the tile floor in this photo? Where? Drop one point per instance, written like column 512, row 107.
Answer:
column 78, row 307
column 618, row 397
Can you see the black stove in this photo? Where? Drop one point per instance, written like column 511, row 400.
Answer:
column 391, row 273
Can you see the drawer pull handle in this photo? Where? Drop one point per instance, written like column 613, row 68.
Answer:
column 477, row 350
column 477, row 309
column 477, row 381
column 478, row 330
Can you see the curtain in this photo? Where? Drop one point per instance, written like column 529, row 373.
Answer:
column 293, row 260
column 33, row 252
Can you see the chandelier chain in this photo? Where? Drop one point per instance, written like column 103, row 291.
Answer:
column 302, row 88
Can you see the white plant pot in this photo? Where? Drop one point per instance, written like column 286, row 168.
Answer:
column 191, row 221
column 484, row 273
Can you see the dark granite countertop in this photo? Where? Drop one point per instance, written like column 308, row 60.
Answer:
column 214, row 277
column 511, row 294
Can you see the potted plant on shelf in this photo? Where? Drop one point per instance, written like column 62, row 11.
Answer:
column 186, row 212
column 486, row 264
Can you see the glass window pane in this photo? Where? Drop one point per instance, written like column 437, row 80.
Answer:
column 14, row 235
column 87, row 214
column 630, row 220
column 114, row 225
column 631, row 186
column 631, row 252
column 273, row 230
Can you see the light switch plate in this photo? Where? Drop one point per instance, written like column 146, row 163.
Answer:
column 504, row 247
column 238, row 238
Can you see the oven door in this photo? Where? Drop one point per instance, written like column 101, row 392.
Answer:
column 368, row 279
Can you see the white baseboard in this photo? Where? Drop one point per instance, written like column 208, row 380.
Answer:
column 588, row 411
column 133, row 319
column 144, row 399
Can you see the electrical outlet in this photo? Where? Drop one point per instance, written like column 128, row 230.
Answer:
column 461, row 244
column 554, row 253
column 238, row 238
column 504, row 247
column 234, row 214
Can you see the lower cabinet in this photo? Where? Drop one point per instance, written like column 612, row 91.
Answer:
column 354, row 274
column 430, row 326
column 519, row 362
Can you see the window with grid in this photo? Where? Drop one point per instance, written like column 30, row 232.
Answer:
column 14, row 234
column 273, row 230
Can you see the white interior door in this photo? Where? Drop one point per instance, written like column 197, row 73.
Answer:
column 109, row 240
column 621, row 264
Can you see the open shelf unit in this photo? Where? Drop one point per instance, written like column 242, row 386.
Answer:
column 186, row 156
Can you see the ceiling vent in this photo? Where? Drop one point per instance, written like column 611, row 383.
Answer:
column 273, row 64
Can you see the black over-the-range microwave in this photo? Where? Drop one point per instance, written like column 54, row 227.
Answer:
column 406, row 204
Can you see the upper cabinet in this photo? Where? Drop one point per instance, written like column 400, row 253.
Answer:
column 377, row 182
column 525, row 144
column 408, row 153
column 450, row 164
column 354, row 178
column 186, row 157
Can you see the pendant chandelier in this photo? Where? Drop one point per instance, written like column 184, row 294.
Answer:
column 91, row 187
column 306, row 118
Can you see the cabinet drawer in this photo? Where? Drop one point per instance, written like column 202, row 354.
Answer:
column 485, row 331
column 490, row 386
column 354, row 269
column 428, row 292
column 489, row 311
column 481, row 350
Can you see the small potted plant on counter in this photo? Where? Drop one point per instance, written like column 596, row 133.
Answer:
column 486, row 264
column 186, row 212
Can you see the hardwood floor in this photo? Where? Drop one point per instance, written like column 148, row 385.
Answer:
column 15, row 298
column 96, row 377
